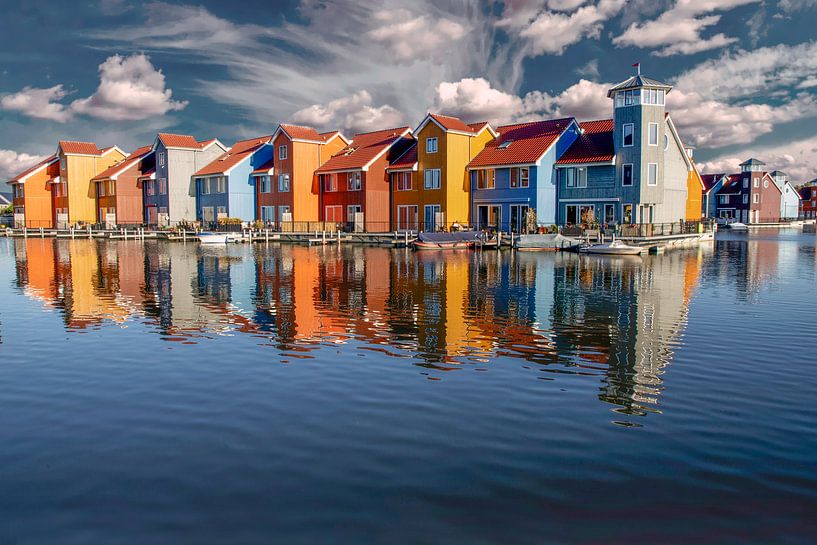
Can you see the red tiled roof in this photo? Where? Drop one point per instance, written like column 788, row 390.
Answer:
column 266, row 167
column 453, row 123
column 407, row 160
column 206, row 143
column 178, row 141
column 34, row 168
column 594, row 145
column 363, row 149
column 81, row 148
column 299, row 132
column 240, row 151
column 477, row 127
column 527, row 143
column 124, row 164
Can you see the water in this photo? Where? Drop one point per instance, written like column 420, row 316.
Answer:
column 164, row 393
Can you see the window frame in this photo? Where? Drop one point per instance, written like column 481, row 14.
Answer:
column 432, row 185
column 624, row 127
column 632, row 174
column 282, row 152
column 432, row 144
column 284, row 188
column 652, row 168
column 650, row 127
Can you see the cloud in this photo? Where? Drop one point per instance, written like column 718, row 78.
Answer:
column 407, row 38
column 38, row 103
column 13, row 163
column 589, row 70
column 130, row 88
column 678, row 30
column 797, row 159
column 553, row 29
column 352, row 114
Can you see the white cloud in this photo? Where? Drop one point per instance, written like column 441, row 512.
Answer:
column 791, row 6
column 352, row 114
column 130, row 88
column 408, row 38
column 13, row 163
column 797, row 159
column 38, row 103
column 589, row 70
column 678, row 30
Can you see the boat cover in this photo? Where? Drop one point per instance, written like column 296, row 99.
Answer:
column 456, row 236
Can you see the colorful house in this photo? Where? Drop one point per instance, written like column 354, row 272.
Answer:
column 74, row 195
column 695, row 191
column 31, row 194
column 751, row 196
column 631, row 169
column 170, row 197
column 712, row 185
column 354, row 185
column 789, row 197
column 293, row 194
column 402, row 172
column 118, row 189
column 439, row 193
column 226, row 186
column 808, row 200
column 514, row 174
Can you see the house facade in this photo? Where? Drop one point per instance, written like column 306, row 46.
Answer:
column 440, row 189
column 630, row 169
column 74, row 195
column 808, row 200
column 514, row 174
column 695, row 191
column 118, row 189
column 170, row 198
column 31, row 194
column 354, row 185
column 292, row 197
column 402, row 172
column 712, row 185
column 226, row 186
column 789, row 196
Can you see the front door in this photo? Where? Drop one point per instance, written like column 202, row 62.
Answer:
column 431, row 214
column 519, row 218
column 609, row 213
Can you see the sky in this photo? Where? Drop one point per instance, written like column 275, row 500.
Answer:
column 744, row 72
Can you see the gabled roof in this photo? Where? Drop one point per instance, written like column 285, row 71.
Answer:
column 594, row 145
column 710, row 180
column 752, row 161
column 638, row 82
column 733, row 183
column 454, row 125
column 21, row 178
column 364, row 150
column 407, row 160
column 178, row 141
column 522, row 143
column 266, row 168
column 308, row 134
column 79, row 148
column 131, row 160
column 241, row 151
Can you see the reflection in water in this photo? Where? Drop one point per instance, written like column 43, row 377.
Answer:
column 616, row 319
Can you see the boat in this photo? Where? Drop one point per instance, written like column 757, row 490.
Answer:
column 457, row 240
column 615, row 247
column 736, row 226
column 547, row 242
column 212, row 238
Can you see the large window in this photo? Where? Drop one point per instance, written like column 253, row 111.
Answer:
column 407, row 217
column 402, row 181
column 627, row 134
column 330, row 183
column 162, row 186
column 353, row 181
column 519, row 218
column 431, row 145
column 264, row 185
column 724, row 199
column 574, row 176
column 486, row 179
column 653, row 136
column 283, row 182
column 267, row 213
column 333, row 214
column 489, row 216
column 627, row 174
column 520, row 177
column 576, row 214
column 433, row 217
column 432, row 178
column 652, row 173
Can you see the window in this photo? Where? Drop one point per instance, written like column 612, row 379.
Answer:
column 284, row 213
column 333, row 214
column 282, row 152
column 207, row 214
column 221, row 212
column 519, row 218
column 432, row 217
column 204, row 184
column 221, row 182
column 432, row 178
column 746, row 199
column 724, row 199
column 627, row 134
column 263, row 184
column 407, row 217
column 520, row 177
column 653, row 136
column 100, row 189
column 765, row 184
column 505, row 145
column 150, row 187
column 756, row 198
column 402, row 180
column 353, row 181
column 486, row 179
column 63, row 163
column 652, row 173
column 283, row 183
column 576, row 214
column 569, row 177
column 351, row 211
column 746, row 182
column 581, row 177
column 161, row 158
column 431, row 145
column 627, row 213
column 162, row 186
column 489, row 216
column 111, row 187
column 757, row 182
column 267, row 213
column 609, row 213
column 627, row 174
column 666, row 142
column 330, row 183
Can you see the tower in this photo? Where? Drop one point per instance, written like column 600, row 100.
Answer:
column 640, row 137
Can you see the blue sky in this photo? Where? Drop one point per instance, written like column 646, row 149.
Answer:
column 117, row 72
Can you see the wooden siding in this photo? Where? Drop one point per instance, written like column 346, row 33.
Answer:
column 81, row 202
column 37, row 200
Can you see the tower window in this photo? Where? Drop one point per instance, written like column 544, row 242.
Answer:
column 627, row 134
column 653, row 136
column 627, row 174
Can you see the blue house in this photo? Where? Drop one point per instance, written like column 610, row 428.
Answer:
column 226, row 186
column 712, row 185
column 514, row 174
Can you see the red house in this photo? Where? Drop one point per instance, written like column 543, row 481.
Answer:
column 354, row 184
column 808, row 201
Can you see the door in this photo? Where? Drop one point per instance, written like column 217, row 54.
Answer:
column 407, row 218
column 151, row 215
column 609, row 213
column 432, row 213
column 490, row 216
column 519, row 218
column 354, row 216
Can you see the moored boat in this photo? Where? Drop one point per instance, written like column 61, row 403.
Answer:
column 212, row 238
column 458, row 240
column 615, row 247
column 546, row 242
column 736, row 226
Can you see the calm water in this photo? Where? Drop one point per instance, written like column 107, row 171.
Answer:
column 164, row 393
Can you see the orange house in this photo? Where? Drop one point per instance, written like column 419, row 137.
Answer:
column 118, row 189
column 695, row 192
column 293, row 194
column 31, row 190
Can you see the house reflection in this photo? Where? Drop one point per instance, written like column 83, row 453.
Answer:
column 616, row 319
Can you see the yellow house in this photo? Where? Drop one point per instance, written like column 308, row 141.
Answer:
column 434, row 194
column 74, row 194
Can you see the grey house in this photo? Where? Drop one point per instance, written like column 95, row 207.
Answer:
column 629, row 169
column 170, row 196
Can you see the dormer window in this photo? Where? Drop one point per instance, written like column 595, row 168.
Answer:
column 282, row 152
column 505, row 144
column 431, row 145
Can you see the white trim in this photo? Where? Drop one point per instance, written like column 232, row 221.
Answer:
column 22, row 179
column 497, row 167
column 387, row 148
column 656, row 175
column 600, row 199
column 677, row 138
column 610, row 163
column 650, row 125
column 428, row 118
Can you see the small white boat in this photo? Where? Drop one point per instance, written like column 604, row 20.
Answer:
column 616, row 247
column 212, row 238
column 736, row 226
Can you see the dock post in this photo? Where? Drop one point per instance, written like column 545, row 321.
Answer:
column 25, row 232
column 323, row 235
column 184, row 235
column 406, row 233
column 89, row 231
column 338, row 238
column 72, row 233
column 266, row 234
